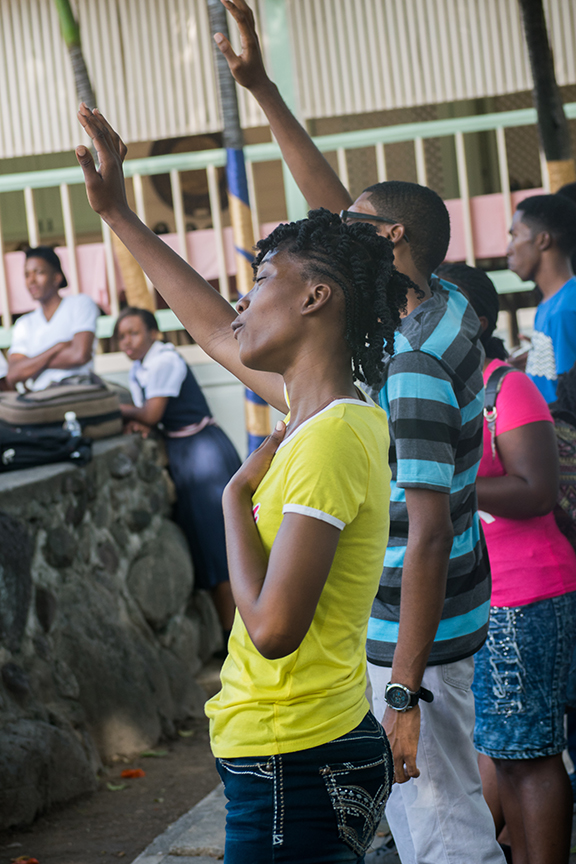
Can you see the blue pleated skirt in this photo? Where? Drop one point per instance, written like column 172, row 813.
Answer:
column 201, row 466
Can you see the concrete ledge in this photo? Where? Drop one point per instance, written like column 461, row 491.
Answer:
column 11, row 480
column 198, row 836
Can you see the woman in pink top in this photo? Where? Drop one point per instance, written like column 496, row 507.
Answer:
column 521, row 673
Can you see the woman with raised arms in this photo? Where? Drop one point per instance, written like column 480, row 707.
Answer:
column 306, row 768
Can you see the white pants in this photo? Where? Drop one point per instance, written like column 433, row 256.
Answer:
column 441, row 817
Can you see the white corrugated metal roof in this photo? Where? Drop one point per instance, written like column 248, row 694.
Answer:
column 151, row 64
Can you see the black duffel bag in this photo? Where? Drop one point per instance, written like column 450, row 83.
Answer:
column 21, row 448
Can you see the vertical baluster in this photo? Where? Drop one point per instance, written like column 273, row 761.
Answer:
column 110, row 270
column 141, row 213
column 31, row 219
column 544, row 173
column 4, row 298
column 465, row 197
column 420, row 156
column 70, row 236
column 504, row 176
column 343, row 167
column 381, row 170
column 253, row 202
column 138, row 187
column 216, row 213
column 179, row 215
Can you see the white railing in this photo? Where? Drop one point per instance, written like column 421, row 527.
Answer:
column 342, row 145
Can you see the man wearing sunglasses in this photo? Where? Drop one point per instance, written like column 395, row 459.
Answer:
column 431, row 612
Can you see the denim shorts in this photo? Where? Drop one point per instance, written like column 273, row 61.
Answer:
column 520, row 679
column 318, row 805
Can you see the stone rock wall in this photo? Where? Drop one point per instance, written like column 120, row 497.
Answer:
column 101, row 633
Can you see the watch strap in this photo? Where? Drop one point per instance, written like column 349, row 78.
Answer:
column 425, row 695
column 414, row 695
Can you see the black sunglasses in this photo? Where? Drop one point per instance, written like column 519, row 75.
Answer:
column 351, row 215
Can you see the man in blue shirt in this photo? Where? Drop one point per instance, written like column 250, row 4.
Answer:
column 543, row 239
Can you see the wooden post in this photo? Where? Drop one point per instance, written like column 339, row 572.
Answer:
column 552, row 122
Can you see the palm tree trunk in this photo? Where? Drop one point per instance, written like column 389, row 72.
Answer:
column 256, row 410
column 137, row 293
column 71, row 35
column 552, row 122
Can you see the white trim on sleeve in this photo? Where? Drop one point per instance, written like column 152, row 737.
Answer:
column 315, row 514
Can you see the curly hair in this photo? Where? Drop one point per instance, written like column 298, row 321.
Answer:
column 361, row 263
column 483, row 297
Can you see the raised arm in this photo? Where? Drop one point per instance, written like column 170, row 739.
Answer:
column 202, row 310
column 317, row 181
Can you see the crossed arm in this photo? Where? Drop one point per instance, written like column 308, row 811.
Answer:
column 63, row 355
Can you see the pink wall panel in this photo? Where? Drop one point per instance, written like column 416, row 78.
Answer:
column 457, row 247
column 489, row 230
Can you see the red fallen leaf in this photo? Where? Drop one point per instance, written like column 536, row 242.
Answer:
column 23, row 859
column 132, row 773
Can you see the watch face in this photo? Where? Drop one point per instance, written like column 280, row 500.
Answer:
column 397, row 697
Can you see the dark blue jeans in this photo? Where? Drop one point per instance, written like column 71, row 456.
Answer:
column 313, row 806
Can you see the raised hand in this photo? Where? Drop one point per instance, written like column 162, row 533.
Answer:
column 251, row 472
column 247, row 67
column 105, row 185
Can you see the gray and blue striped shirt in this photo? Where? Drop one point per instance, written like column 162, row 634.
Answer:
column 433, row 395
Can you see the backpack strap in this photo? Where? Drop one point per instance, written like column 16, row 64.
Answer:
column 492, row 388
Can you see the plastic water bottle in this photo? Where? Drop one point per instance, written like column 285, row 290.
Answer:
column 72, row 425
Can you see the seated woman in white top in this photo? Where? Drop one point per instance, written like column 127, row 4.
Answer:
column 56, row 340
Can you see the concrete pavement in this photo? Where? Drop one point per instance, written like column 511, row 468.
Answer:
column 198, row 837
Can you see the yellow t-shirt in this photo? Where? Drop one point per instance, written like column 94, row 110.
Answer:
column 333, row 467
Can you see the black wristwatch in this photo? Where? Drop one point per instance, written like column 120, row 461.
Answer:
column 400, row 698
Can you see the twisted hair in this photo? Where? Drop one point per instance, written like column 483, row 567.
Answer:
column 361, row 263
column 479, row 289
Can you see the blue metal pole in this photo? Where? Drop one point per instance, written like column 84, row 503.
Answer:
column 257, row 411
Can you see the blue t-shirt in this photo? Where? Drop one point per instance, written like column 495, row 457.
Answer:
column 553, row 348
column 433, row 394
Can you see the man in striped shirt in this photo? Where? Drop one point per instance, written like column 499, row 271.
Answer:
column 431, row 613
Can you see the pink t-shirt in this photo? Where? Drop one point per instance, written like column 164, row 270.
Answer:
column 530, row 559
